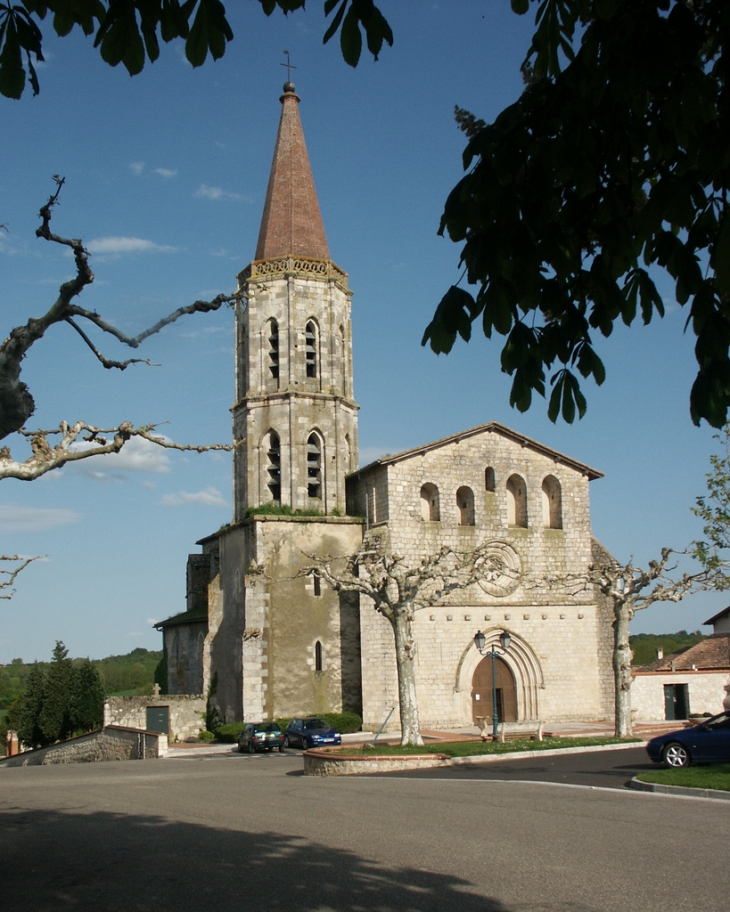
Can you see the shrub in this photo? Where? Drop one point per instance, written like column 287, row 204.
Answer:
column 228, row 734
column 206, row 736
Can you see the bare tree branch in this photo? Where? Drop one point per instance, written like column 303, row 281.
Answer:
column 16, row 401
column 630, row 589
column 397, row 591
column 45, row 457
column 12, row 574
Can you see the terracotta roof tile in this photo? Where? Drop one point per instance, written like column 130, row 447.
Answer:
column 292, row 223
column 712, row 653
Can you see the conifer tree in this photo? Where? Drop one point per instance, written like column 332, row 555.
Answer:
column 86, row 707
column 55, row 720
column 29, row 731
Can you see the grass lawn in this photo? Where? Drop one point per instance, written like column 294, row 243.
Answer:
column 704, row 777
column 476, row 748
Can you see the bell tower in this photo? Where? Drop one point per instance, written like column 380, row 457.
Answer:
column 294, row 417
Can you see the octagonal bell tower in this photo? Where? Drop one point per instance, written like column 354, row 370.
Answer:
column 294, row 418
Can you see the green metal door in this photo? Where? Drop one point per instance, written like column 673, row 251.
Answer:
column 158, row 719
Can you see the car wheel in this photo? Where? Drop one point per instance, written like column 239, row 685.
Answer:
column 281, row 748
column 676, row 755
column 286, row 741
column 251, row 748
column 240, row 748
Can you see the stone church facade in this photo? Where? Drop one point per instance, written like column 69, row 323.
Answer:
column 264, row 642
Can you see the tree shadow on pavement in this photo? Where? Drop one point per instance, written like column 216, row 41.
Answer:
column 108, row 862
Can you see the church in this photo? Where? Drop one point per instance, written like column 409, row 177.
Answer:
column 262, row 642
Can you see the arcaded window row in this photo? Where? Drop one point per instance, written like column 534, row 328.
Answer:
column 516, row 494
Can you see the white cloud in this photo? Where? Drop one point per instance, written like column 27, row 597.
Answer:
column 165, row 172
column 116, row 246
column 136, row 167
column 210, row 497
column 137, row 455
column 205, row 191
column 34, row 519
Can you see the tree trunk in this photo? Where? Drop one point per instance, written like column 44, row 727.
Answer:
column 404, row 653
column 623, row 612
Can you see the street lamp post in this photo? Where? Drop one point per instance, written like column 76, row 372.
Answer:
column 480, row 643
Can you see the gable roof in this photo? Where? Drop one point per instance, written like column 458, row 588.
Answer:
column 492, row 427
column 712, row 654
column 720, row 614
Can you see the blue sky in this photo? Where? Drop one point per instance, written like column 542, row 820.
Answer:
column 165, row 180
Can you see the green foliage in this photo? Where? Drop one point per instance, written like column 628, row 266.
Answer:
column 713, row 552
column 129, row 31
column 52, row 701
column 212, row 718
column 613, row 162
column 31, row 705
column 161, row 673
column 86, row 706
column 276, row 509
column 54, row 719
column 645, row 645
column 206, row 736
column 131, row 673
column 228, row 734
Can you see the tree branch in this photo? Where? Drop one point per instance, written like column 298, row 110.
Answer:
column 45, row 457
column 12, row 574
column 16, row 401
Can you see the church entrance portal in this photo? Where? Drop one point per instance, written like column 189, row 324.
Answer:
column 481, row 692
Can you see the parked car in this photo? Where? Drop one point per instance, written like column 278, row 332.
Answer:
column 310, row 732
column 708, row 742
column 260, row 736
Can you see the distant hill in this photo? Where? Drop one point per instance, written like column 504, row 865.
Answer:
column 645, row 645
column 129, row 674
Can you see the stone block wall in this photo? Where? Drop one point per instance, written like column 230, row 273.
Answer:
column 110, row 743
column 186, row 713
column 706, row 691
column 455, row 493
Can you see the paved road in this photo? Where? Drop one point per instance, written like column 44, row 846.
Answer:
column 602, row 769
column 244, row 833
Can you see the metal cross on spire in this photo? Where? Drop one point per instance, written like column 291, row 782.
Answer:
column 289, row 66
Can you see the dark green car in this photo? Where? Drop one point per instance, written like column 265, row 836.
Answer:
column 260, row 736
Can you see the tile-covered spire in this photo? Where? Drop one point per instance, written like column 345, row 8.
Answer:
column 291, row 224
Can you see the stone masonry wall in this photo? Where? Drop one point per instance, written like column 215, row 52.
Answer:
column 560, row 656
column 294, row 405
column 111, row 743
column 706, row 692
column 186, row 713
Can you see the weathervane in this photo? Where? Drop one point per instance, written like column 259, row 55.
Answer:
column 289, row 66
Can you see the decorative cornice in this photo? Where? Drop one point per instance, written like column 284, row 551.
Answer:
column 293, row 265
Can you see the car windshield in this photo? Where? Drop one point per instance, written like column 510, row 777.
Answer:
column 721, row 722
column 268, row 727
column 311, row 724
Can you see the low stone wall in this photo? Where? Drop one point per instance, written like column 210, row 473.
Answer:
column 187, row 713
column 333, row 763
column 110, row 743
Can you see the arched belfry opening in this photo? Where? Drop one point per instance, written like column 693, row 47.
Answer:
column 272, row 475
column 294, row 337
column 314, row 466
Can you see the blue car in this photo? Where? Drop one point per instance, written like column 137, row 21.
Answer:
column 311, row 732
column 708, row 742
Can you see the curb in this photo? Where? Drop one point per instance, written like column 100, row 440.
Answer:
column 716, row 794
column 320, row 763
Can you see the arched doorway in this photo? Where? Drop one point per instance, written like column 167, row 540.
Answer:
column 481, row 691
